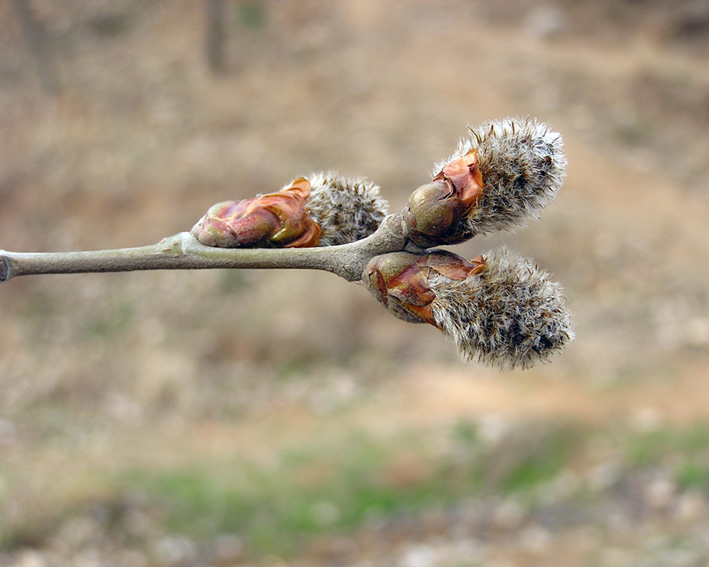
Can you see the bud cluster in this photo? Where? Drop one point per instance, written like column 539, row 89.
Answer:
column 499, row 309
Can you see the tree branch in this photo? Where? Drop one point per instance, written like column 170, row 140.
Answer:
column 183, row 252
column 498, row 308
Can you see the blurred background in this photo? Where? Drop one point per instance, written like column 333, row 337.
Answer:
column 284, row 418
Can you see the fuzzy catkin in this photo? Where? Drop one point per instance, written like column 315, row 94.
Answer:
column 509, row 315
column 347, row 209
column 523, row 166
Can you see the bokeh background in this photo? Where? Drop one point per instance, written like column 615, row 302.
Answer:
column 284, row 418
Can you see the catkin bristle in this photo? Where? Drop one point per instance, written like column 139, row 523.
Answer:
column 523, row 166
column 347, row 209
column 509, row 315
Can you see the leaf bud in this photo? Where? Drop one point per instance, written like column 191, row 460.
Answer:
column 399, row 280
column 437, row 211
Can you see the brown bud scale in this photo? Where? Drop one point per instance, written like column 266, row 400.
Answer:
column 400, row 280
column 436, row 212
column 277, row 219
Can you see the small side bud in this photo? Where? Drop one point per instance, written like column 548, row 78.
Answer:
column 505, row 172
column 500, row 310
column 277, row 219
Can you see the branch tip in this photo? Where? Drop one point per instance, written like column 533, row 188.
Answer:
column 4, row 269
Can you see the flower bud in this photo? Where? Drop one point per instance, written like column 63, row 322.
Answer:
column 324, row 210
column 500, row 310
column 509, row 314
column 437, row 211
column 400, row 280
column 505, row 172
column 276, row 219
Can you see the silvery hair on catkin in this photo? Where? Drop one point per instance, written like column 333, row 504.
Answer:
column 523, row 166
column 346, row 208
column 509, row 315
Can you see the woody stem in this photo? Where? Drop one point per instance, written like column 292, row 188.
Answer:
column 183, row 252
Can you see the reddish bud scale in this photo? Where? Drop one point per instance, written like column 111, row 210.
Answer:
column 437, row 211
column 399, row 280
column 277, row 219
column 465, row 177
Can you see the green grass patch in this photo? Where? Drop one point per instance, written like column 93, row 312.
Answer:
column 656, row 446
column 341, row 480
column 530, row 459
column 538, row 467
column 341, row 484
column 693, row 475
column 683, row 452
column 276, row 506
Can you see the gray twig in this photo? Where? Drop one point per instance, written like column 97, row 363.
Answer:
column 183, row 252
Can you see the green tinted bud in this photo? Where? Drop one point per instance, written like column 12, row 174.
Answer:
column 437, row 212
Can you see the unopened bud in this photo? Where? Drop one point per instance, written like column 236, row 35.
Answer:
column 324, row 210
column 276, row 219
column 436, row 213
column 500, row 310
column 400, row 280
column 505, row 172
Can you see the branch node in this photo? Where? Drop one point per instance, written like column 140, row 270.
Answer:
column 174, row 244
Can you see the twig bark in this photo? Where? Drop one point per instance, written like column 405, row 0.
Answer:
column 183, row 252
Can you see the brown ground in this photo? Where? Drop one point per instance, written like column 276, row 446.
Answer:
column 100, row 373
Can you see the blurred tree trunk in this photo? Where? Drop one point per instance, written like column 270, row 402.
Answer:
column 215, row 35
column 38, row 41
